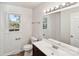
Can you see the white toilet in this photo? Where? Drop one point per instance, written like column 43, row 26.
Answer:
column 28, row 50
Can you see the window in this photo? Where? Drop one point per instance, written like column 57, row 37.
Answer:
column 45, row 23
column 14, row 22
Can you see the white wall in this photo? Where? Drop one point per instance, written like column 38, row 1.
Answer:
column 1, row 37
column 9, row 44
column 38, row 14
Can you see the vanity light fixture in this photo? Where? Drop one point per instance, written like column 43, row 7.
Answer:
column 63, row 5
column 70, row 3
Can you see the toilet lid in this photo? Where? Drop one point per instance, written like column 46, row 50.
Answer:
column 34, row 39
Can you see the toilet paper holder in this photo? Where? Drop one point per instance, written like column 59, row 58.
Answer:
column 18, row 38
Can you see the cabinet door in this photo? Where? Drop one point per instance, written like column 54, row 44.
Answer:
column 37, row 52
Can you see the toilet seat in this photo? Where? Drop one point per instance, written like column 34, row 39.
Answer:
column 28, row 47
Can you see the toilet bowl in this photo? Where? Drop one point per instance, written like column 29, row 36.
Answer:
column 28, row 50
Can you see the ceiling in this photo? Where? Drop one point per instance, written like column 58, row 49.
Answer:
column 24, row 4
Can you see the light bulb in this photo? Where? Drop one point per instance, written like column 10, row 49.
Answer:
column 47, row 9
column 52, row 9
column 44, row 11
column 63, row 4
column 57, row 7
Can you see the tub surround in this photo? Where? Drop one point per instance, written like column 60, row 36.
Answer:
column 52, row 47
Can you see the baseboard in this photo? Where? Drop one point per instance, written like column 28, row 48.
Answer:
column 20, row 53
column 12, row 52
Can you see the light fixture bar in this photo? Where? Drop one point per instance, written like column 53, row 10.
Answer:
column 61, row 6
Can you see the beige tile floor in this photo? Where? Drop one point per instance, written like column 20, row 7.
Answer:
column 18, row 54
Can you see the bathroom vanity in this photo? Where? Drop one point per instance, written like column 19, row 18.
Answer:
column 52, row 47
column 37, row 51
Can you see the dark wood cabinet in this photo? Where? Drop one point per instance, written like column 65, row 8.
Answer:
column 37, row 52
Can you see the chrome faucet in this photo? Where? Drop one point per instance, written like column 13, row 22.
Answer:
column 55, row 47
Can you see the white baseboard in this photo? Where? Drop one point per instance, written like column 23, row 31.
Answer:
column 12, row 52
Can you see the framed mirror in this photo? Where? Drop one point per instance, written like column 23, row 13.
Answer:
column 64, row 26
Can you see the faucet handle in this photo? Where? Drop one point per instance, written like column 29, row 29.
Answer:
column 52, row 53
column 54, row 46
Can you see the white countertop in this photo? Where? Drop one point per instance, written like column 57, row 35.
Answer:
column 65, row 50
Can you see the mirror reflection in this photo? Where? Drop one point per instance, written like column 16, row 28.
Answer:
column 64, row 26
